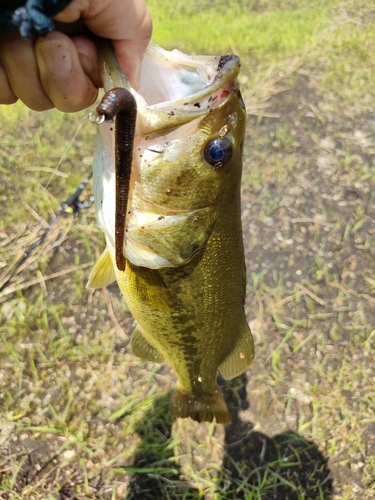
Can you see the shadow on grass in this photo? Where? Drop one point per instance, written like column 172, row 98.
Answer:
column 155, row 474
column 255, row 466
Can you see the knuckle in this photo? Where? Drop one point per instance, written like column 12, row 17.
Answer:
column 11, row 99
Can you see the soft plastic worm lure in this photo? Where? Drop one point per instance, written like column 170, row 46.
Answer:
column 120, row 103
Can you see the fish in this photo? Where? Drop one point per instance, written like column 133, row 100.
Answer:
column 184, row 281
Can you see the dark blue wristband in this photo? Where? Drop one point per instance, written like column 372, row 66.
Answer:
column 33, row 18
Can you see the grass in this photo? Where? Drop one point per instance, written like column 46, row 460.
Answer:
column 259, row 29
column 80, row 416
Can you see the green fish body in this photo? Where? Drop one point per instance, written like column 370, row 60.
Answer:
column 185, row 276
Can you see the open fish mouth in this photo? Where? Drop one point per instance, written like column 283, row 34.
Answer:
column 173, row 79
column 175, row 88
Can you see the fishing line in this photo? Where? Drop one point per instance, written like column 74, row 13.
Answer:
column 70, row 144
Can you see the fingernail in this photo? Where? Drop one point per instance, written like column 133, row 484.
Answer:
column 56, row 57
column 86, row 62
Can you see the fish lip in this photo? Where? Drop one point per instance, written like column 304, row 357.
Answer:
column 226, row 59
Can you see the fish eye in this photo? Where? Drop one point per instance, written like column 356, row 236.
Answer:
column 218, row 152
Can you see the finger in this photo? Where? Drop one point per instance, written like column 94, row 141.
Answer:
column 7, row 96
column 129, row 55
column 19, row 63
column 132, row 40
column 88, row 56
column 127, row 23
column 62, row 76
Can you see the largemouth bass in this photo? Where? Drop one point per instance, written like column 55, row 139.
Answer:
column 185, row 276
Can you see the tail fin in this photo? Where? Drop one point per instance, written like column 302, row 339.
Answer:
column 202, row 408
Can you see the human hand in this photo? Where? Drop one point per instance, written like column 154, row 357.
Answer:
column 62, row 71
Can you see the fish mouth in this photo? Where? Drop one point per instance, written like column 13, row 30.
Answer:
column 175, row 88
column 175, row 81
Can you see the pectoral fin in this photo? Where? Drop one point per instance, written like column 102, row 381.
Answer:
column 175, row 239
column 103, row 273
column 240, row 356
column 143, row 349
